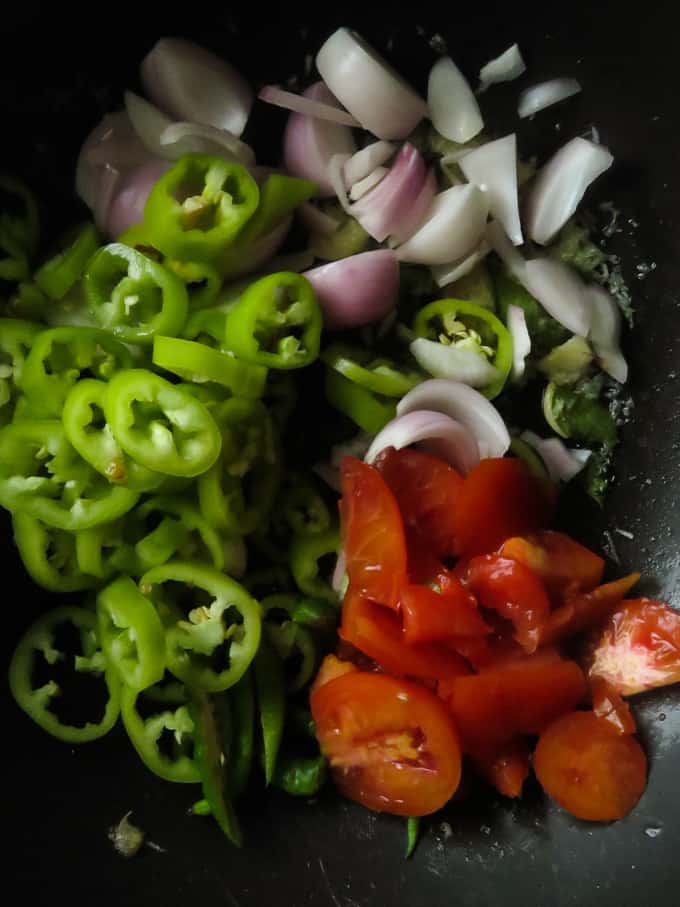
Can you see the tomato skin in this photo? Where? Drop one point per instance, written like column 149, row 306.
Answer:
column 373, row 533
column 513, row 591
column 591, row 770
column 639, row 647
column 505, row 767
column 609, row 705
column 330, row 668
column 391, row 744
column 377, row 632
column 426, row 489
column 584, row 611
column 431, row 616
column 565, row 566
column 499, row 499
column 520, row 697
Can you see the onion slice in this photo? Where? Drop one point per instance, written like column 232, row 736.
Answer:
column 453, row 108
column 147, row 120
column 316, row 219
column 307, row 106
column 561, row 292
column 442, row 360
column 545, row 94
column 562, row 464
column 508, row 254
column 437, row 433
column 335, row 168
column 183, row 138
column 366, row 160
column 605, row 333
column 561, row 184
column 504, row 68
column 309, row 143
column 464, row 404
column 360, row 188
column 493, row 168
column 453, row 227
column 125, row 206
column 416, row 214
column 192, row 84
column 521, row 340
column 357, row 290
column 369, row 88
column 449, row 273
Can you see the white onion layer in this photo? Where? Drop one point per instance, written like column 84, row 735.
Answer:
column 504, row 68
column 493, row 168
column 366, row 160
column 545, row 94
column 562, row 464
column 453, row 107
column 561, row 292
column 521, row 340
column 469, row 366
column 449, row 273
column 605, row 333
column 436, row 432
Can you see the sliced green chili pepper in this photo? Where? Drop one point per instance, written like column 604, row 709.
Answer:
column 299, row 776
column 314, row 613
column 545, row 332
column 212, row 624
column 16, row 339
column 276, row 322
column 131, row 634
column 364, row 408
column 305, row 554
column 201, row 808
column 159, row 425
column 199, row 206
column 14, row 264
column 29, row 302
column 242, row 702
column 199, row 363
column 269, row 683
column 294, row 641
column 58, row 275
column 208, row 327
column 467, row 325
column 49, row 555
column 412, row 833
column 527, row 453
column 95, row 549
column 134, row 296
column 379, row 376
column 145, row 733
column 280, row 396
column 300, row 508
column 37, row 702
column 567, row 363
column 41, row 474
column 89, row 432
column 60, row 356
column 576, row 412
column 348, row 239
column 213, row 755
column 476, row 286
column 19, row 215
column 268, row 581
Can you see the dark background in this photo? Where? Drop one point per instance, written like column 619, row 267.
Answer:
column 61, row 67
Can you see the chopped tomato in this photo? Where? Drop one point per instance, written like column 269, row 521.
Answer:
column 498, row 499
column 330, row 668
column 426, row 489
column 423, row 566
column 521, row 697
column 377, row 632
column 430, row 616
column 373, row 533
column 608, row 704
column 505, row 767
column 391, row 744
column 511, row 590
column 584, row 611
column 591, row 770
column 483, row 652
column 565, row 566
column 639, row 648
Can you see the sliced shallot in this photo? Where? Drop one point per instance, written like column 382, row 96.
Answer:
column 357, row 290
column 453, row 107
column 126, row 205
column 493, row 168
column 437, row 433
column 366, row 160
column 561, row 184
column 605, row 333
column 562, row 464
column 192, row 84
column 183, row 138
column 504, row 68
column 545, row 94
column 369, row 88
column 305, row 105
column 360, row 188
column 454, row 270
column 148, row 121
column 561, row 292
column 416, row 214
column 335, row 168
column 464, row 404
column 521, row 340
column 460, row 363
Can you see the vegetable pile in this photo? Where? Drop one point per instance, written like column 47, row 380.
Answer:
column 167, row 376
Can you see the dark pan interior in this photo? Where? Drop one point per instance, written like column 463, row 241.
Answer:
column 59, row 71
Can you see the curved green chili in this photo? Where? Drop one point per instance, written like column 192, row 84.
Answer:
column 305, row 554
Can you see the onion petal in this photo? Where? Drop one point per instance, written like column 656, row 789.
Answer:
column 126, row 206
column 183, row 138
column 545, row 94
column 453, row 227
column 561, row 292
column 464, row 404
column 562, row 464
column 366, row 160
column 369, row 88
column 453, row 107
column 508, row 254
column 459, row 363
column 504, row 68
column 438, row 433
column 192, row 84
column 493, row 168
column 148, row 121
column 335, row 168
column 561, row 184
column 305, row 105
column 605, row 332
column 357, row 290
column 316, row 219
column 452, row 271
column 521, row 339
column 417, row 212
column 360, row 188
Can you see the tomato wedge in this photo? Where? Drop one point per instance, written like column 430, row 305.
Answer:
column 510, row 589
column 591, row 770
column 330, row 668
column 639, row 648
column 608, row 704
column 430, row 616
column 505, row 767
column 499, row 499
column 391, row 744
column 426, row 490
column 377, row 632
column 565, row 566
column 373, row 533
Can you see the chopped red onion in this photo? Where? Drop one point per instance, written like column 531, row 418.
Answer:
column 561, row 292
column 521, row 340
column 454, row 270
column 106, row 189
column 148, row 121
column 562, row 464
column 493, row 168
column 369, row 88
column 437, row 433
column 305, row 105
column 360, row 188
column 357, row 290
column 561, row 184
column 459, row 363
column 366, row 160
column 453, row 108
column 538, row 97
column 335, row 168
column 605, row 333
column 508, row 66
column 126, row 206
column 192, row 84
column 416, row 214
column 182, row 138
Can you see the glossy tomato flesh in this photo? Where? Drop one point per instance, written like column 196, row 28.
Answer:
column 565, row 566
column 430, row 616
